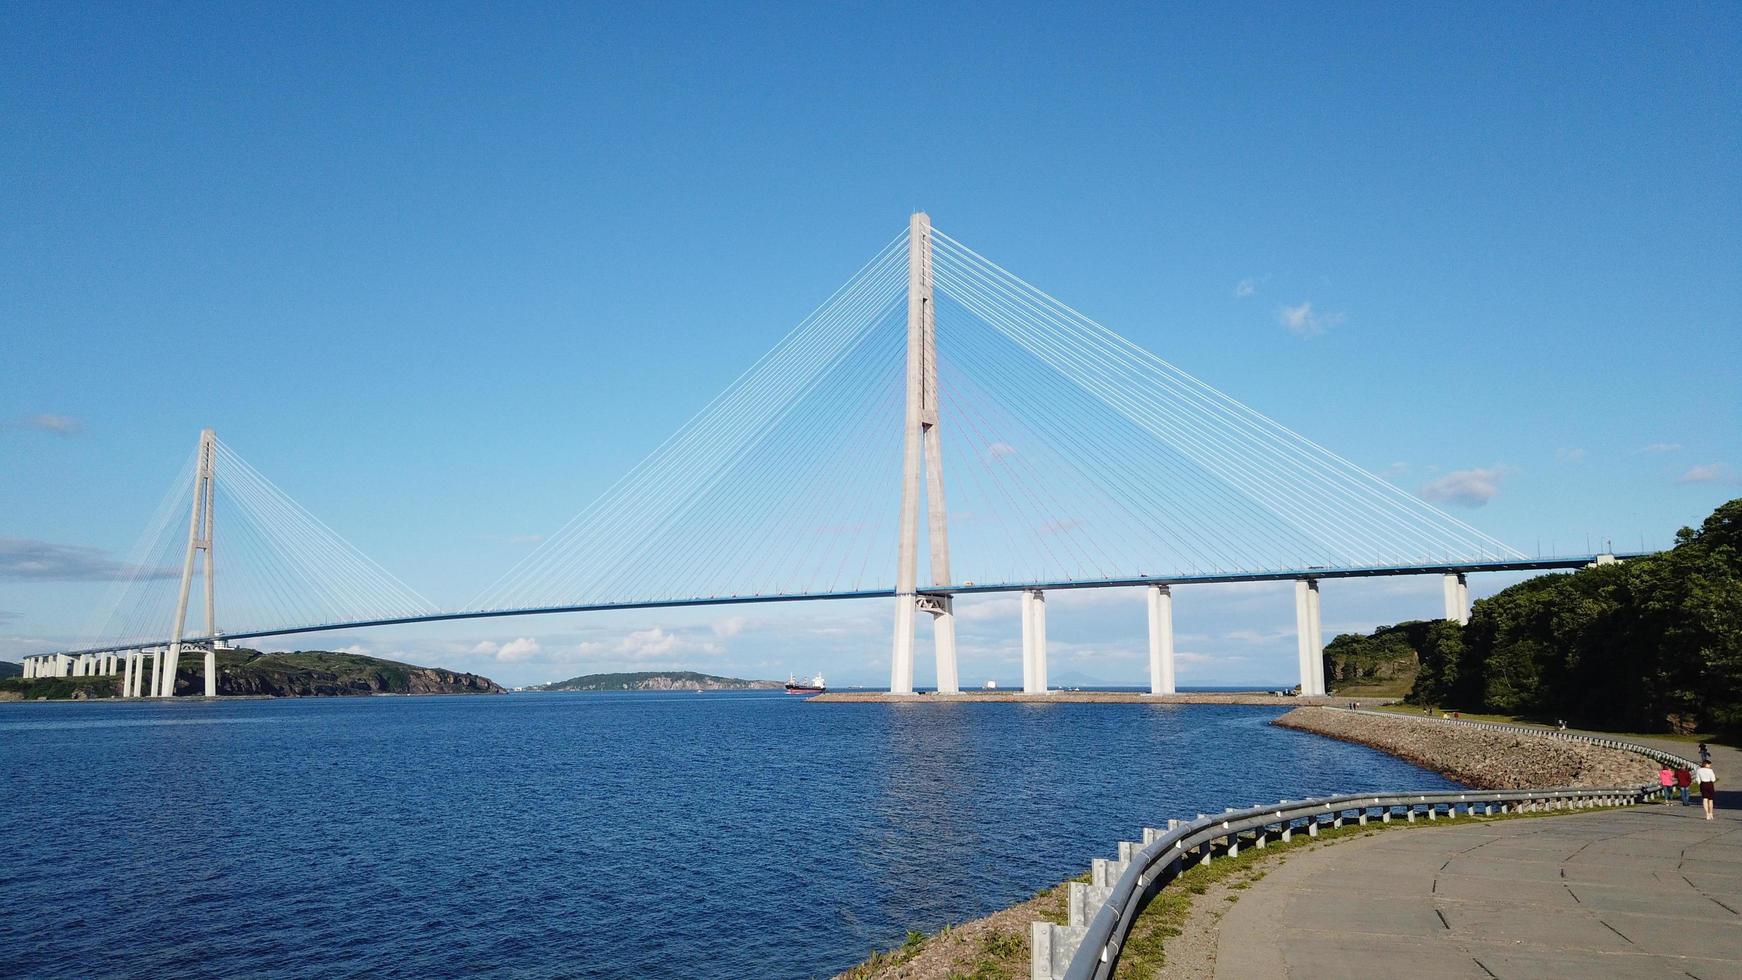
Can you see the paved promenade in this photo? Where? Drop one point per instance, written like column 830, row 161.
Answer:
column 1642, row 891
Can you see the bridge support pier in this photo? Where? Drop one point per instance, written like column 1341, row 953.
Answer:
column 1033, row 641
column 1457, row 590
column 1309, row 640
column 127, row 674
column 943, row 625
column 1161, row 679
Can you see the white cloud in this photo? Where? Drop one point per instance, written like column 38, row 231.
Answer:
column 1303, row 321
column 1467, row 488
column 999, row 450
column 1394, row 471
column 1660, row 447
column 355, row 650
column 520, row 648
column 648, row 644
column 1569, row 455
column 1705, row 473
column 60, row 425
column 1245, row 287
column 730, row 626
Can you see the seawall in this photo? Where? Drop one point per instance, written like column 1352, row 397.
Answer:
column 1479, row 757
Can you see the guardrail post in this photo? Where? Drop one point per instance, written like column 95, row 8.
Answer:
column 1313, row 826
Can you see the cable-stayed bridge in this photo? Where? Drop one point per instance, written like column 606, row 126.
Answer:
column 1076, row 459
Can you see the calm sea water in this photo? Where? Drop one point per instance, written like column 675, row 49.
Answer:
column 595, row 835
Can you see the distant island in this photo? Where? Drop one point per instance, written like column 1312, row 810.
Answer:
column 304, row 673
column 657, row 680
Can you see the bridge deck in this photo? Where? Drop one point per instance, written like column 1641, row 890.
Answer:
column 965, row 588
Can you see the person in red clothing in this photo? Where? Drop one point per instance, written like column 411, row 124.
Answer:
column 1684, row 778
column 1665, row 782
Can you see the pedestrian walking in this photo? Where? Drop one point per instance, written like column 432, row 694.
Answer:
column 1708, row 781
column 1684, row 778
column 1665, row 782
column 1705, row 755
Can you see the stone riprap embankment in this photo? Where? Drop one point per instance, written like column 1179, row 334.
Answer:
column 1480, row 757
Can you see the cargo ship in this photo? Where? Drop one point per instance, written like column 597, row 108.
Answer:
column 813, row 686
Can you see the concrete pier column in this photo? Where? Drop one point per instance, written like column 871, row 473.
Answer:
column 1033, row 641
column 901, row 659
column 1161, row 680
column 127, row 674
column 1310, row 645
column 29, row 667
column 212, row 666
column 1457, row 591
column 157, row 661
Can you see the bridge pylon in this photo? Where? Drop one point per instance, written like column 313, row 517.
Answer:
column 922, row 448
column 199, row 540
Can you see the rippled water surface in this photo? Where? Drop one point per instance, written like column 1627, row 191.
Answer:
column 719, row 835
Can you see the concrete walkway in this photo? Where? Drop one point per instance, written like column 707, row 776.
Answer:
column 1651, row 890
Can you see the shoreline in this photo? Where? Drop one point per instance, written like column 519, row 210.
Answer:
column 1478, row 758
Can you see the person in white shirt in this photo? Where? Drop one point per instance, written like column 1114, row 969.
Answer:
column 1708, row 781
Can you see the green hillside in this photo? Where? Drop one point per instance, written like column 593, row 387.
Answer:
column 656, row 680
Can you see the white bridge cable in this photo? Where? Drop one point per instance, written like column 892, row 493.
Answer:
column 1118, row 400
column 279, row 567
column 683, row 487
column 697, row 449
column 1074, row 424
column 1238, row 465
column 1023, row 444
column 135, row 601
column 1353, row 515
column 1255, row 423
column 720, row 421
column 787, row 500
column 611, row 551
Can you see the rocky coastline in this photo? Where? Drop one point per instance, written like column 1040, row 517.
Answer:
column 1479, row 757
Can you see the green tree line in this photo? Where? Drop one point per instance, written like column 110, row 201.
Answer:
column 1649, row 644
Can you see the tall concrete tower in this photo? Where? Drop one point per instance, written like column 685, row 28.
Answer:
column 922, row 441
column 199, row 540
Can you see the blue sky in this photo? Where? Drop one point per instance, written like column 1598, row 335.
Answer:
column 443, row 272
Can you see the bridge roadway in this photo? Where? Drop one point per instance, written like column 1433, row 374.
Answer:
column 1650, row 890
column 966, row 588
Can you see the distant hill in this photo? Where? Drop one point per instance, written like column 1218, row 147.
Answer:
column 10, row 669
column 657, row 680
column 305, row 673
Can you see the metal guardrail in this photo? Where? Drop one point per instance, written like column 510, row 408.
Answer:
column 1090, row 950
